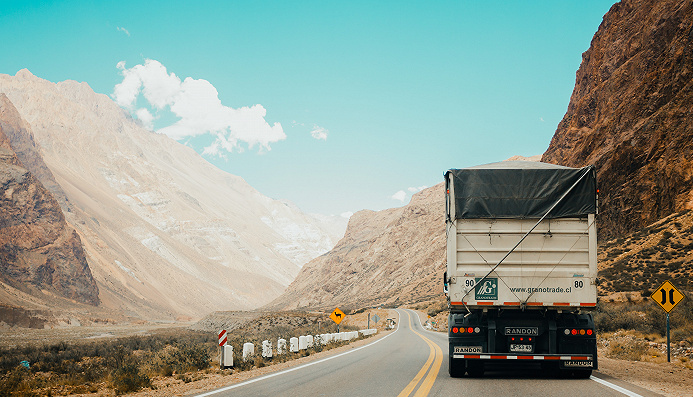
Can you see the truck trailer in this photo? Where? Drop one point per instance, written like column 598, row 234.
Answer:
column 521, row 267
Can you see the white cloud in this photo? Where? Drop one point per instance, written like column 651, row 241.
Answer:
column 417, row 189
column 401, row 195
column 122, row 29
column 347, row 214
column 319, row 132
column 196, row 102
column 146, row 118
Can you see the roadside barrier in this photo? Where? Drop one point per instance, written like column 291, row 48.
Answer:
column 303, row 342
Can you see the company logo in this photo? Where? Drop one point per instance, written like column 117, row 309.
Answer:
column 467, row 349
column 530, row 331
column 486, row 290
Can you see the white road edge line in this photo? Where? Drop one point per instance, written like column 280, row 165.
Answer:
column 615, row 387
column 223, row 389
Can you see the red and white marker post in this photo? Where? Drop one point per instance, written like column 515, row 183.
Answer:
column 222, row 341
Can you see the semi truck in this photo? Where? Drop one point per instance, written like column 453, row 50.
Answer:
column 521, row 267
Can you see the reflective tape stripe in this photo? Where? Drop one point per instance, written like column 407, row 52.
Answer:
column 505, row 357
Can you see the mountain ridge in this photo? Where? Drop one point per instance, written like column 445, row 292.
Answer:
column 167, row 234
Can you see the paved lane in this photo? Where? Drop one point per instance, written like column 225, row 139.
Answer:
column 379, row 369
column 513, row 381
column 409, row 362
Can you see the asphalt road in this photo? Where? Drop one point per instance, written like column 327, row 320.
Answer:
column 413, row 362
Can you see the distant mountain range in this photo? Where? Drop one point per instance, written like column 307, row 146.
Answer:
column 165, row 234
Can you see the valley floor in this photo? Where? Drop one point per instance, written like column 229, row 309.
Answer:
column 668, row 379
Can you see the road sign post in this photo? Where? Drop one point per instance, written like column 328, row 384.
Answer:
column 668, row 341
column 667, row 297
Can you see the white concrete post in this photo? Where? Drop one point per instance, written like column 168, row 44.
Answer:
column 227, row 356
column 302, row 342
column 310, row 340
column 281, row 346
column 293, row 345
column 248, row 350
column 266, row 349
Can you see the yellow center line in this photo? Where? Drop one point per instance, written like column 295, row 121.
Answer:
column 437, row 354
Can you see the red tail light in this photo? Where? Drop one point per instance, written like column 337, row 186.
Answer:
column 590, row 332
column 454, row 330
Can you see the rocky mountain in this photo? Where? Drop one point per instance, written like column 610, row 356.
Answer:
column 38, row 250
column 165, row 233
column 390, row 257
column 644, row 259
column 631, row 114
column 393, row 256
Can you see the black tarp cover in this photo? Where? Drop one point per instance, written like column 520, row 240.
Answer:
column 521, row 189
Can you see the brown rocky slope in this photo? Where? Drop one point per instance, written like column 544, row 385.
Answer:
column 38, row 250
column 630, row 114
column 389, row 257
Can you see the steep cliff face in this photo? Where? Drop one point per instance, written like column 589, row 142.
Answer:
column 38, row 250
column 631, row 114
column 392, row 256
column 21, row 137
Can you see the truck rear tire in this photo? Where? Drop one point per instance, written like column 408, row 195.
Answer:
column 456, row 367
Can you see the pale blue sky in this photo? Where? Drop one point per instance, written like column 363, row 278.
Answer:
column 404, row 90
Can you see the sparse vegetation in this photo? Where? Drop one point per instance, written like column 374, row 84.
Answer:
column 629, row 329
column 648, row 257
column 130, row 364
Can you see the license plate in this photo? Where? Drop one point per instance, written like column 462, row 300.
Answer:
column 578, row 364
column 467, row 349
column 521, row 348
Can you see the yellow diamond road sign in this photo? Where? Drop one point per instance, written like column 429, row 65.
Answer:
column 667, row 296
column 337, row 316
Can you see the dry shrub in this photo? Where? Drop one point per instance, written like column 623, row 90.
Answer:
column 128, row 378
column 627, row 349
